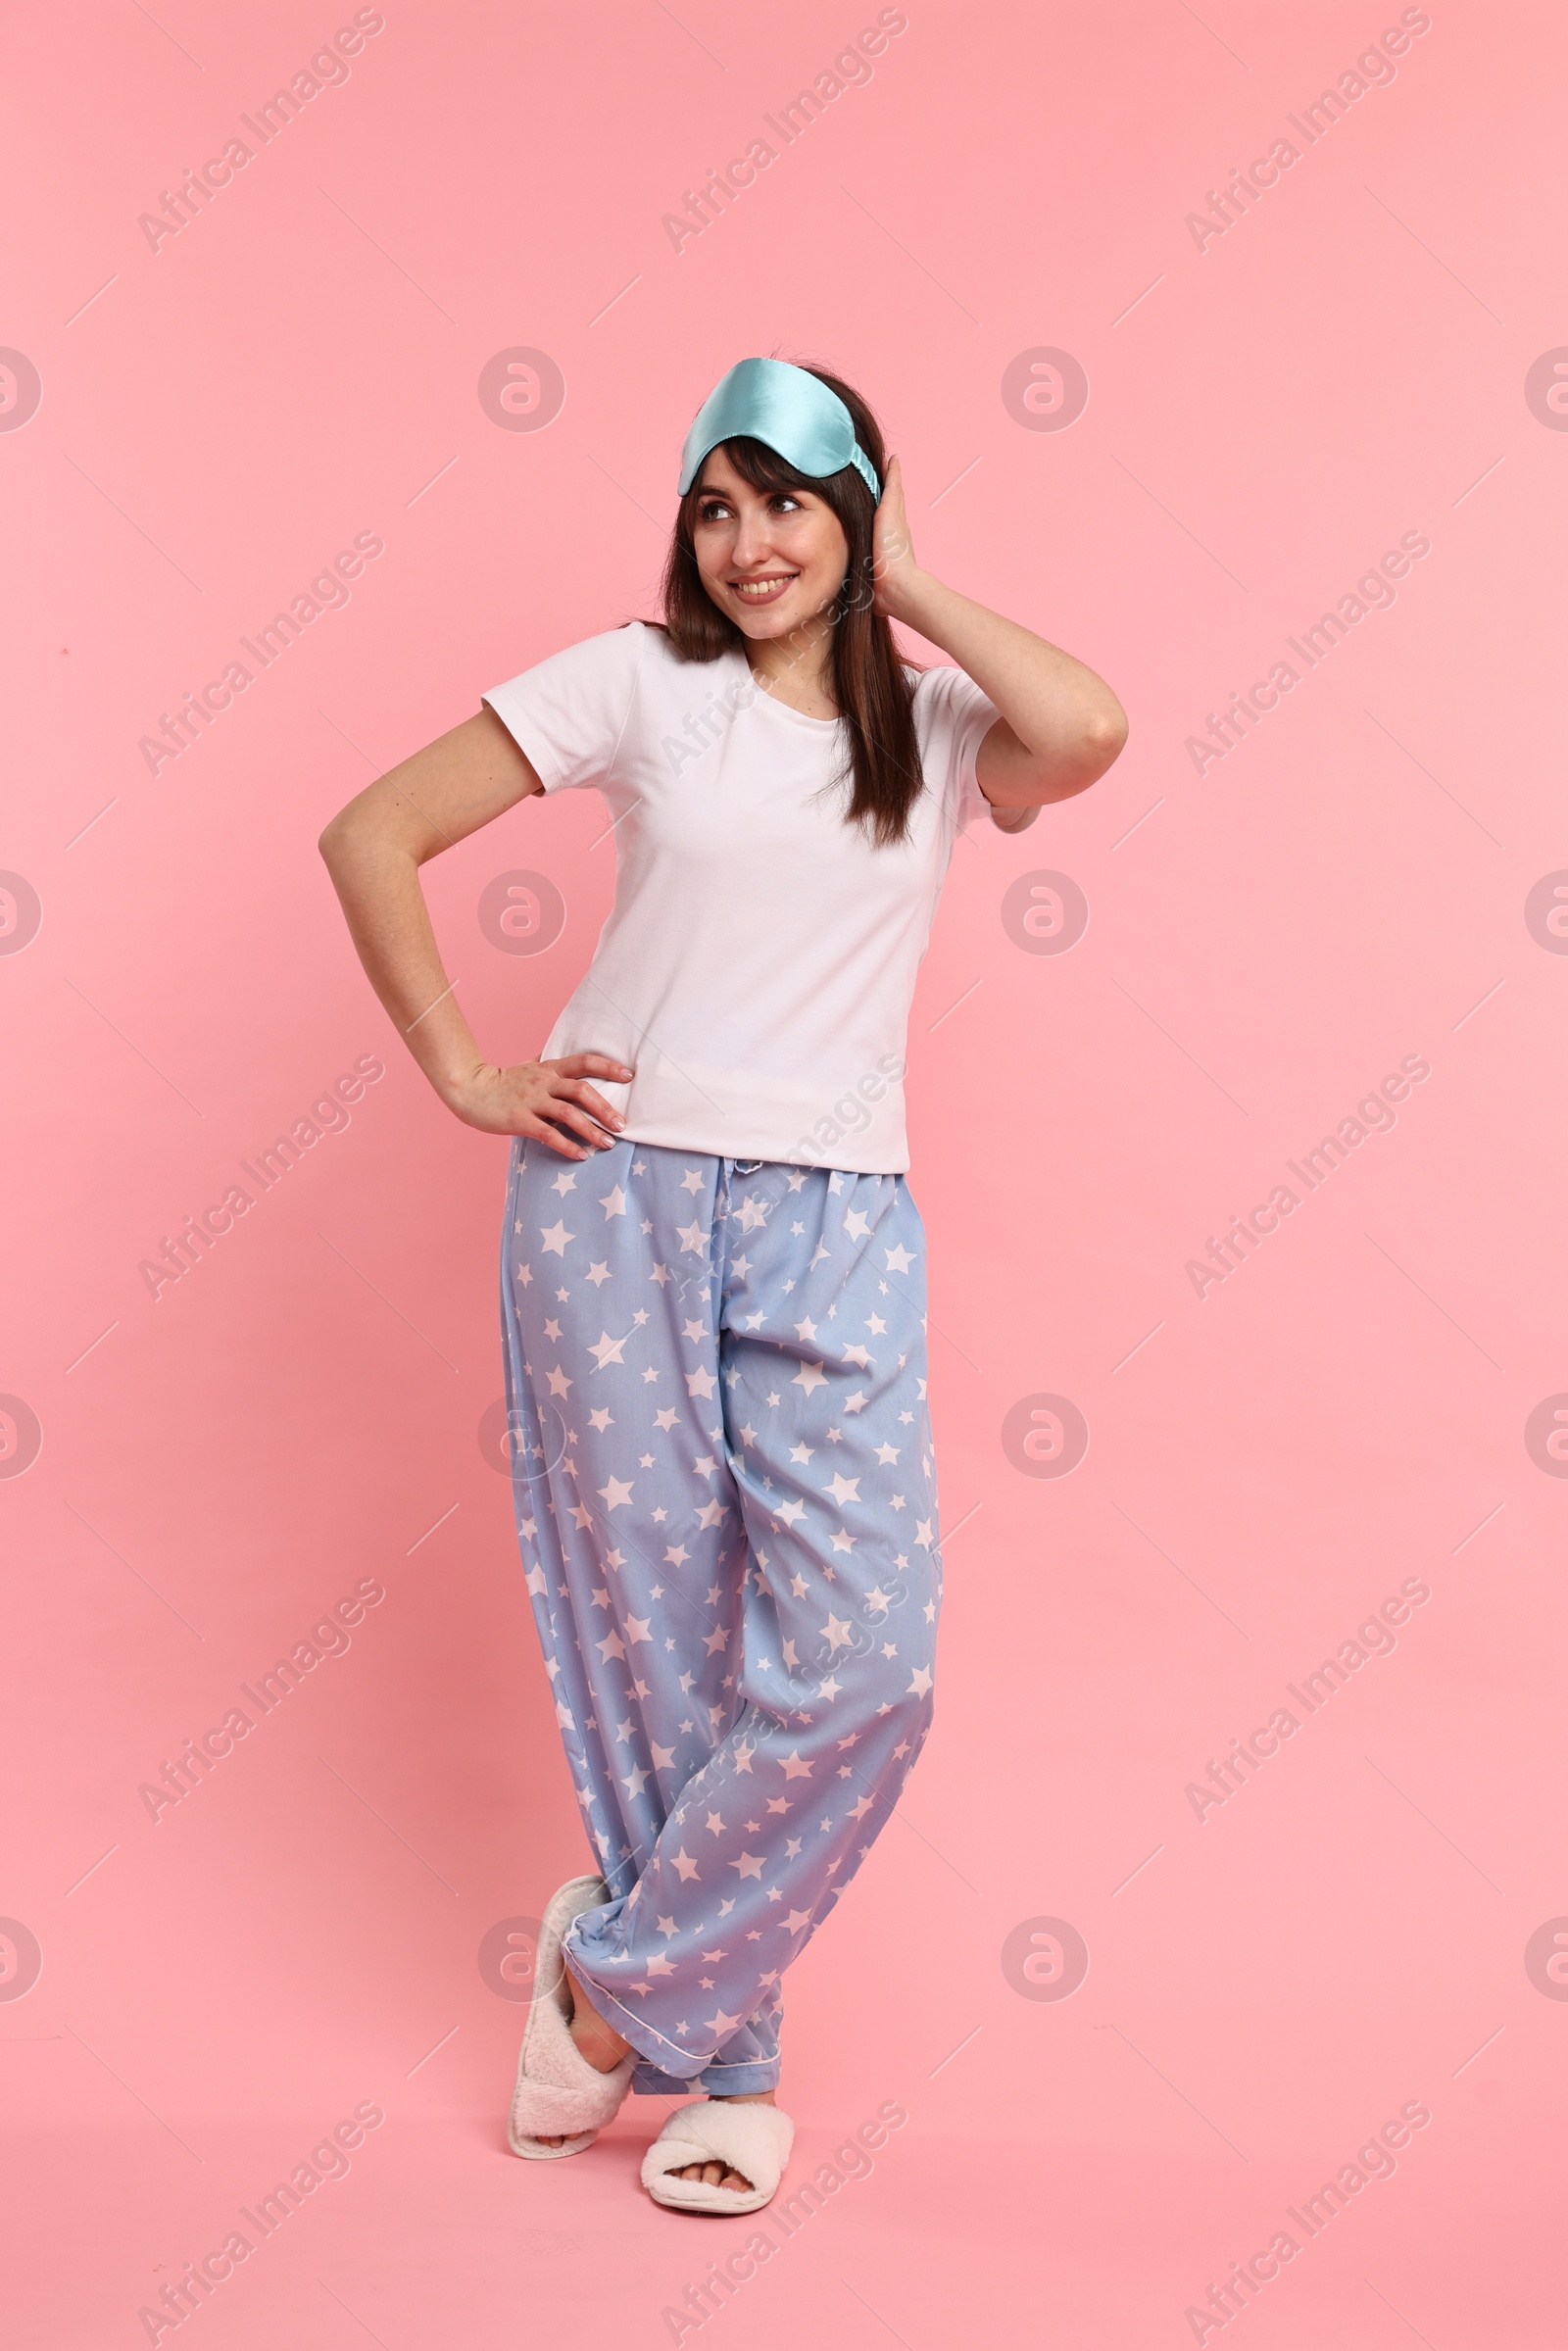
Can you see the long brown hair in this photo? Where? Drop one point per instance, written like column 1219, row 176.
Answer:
column 871, row 684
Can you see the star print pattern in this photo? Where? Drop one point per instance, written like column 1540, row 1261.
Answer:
column 726, row 1507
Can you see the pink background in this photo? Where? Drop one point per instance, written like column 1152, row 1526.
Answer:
column 298, row 365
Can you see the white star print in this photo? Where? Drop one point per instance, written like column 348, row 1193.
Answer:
column 727, row 1342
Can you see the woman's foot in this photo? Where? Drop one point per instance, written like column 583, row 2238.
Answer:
column 592, row 2038
column 715, row 2174
column 604, row 2047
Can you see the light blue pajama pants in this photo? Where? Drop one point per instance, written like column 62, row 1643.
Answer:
column 726, row 1504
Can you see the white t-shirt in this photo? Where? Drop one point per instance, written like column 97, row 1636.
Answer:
column 756, row 967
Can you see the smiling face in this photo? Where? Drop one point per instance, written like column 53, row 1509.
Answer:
column 770, row 560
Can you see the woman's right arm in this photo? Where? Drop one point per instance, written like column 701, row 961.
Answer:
column 374, row 850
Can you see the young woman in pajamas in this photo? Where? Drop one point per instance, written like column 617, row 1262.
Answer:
column 712, row 1267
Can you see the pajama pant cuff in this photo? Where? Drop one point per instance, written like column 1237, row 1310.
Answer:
column 666, row 2056
column 718, row 2080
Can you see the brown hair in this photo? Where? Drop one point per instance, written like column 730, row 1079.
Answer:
column 871, row 684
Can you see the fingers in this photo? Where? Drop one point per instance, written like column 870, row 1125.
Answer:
column 576, row 1104
column 593, row 1065
column 536, row 1131
column 579, row 1124
column 540, row 1130
column 578, row 1090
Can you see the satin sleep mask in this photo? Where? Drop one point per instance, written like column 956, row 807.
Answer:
column 787, row 408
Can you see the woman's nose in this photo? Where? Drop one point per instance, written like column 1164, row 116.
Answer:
column 753, row 542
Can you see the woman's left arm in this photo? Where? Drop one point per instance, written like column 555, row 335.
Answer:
column 1061, row 726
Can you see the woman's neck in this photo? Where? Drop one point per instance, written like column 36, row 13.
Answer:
column 797, row 670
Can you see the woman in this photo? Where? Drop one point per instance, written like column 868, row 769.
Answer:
column 715, row 1334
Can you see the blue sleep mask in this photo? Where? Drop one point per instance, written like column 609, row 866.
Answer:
column 787, row 408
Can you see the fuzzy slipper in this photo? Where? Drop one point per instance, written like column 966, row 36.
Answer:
column 752, row 2140
column 558, row 2090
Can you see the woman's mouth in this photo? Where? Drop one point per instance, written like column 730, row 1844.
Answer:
column 764, row 591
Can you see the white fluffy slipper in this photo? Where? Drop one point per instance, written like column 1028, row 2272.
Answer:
column 558, row 2090
column 752, row 2140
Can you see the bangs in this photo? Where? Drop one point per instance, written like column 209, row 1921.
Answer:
column 759, row 467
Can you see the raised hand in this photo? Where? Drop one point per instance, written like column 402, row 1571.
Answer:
column 893, row 568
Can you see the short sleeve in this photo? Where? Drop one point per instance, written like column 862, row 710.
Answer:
column 570, row 713
column 953, row 717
